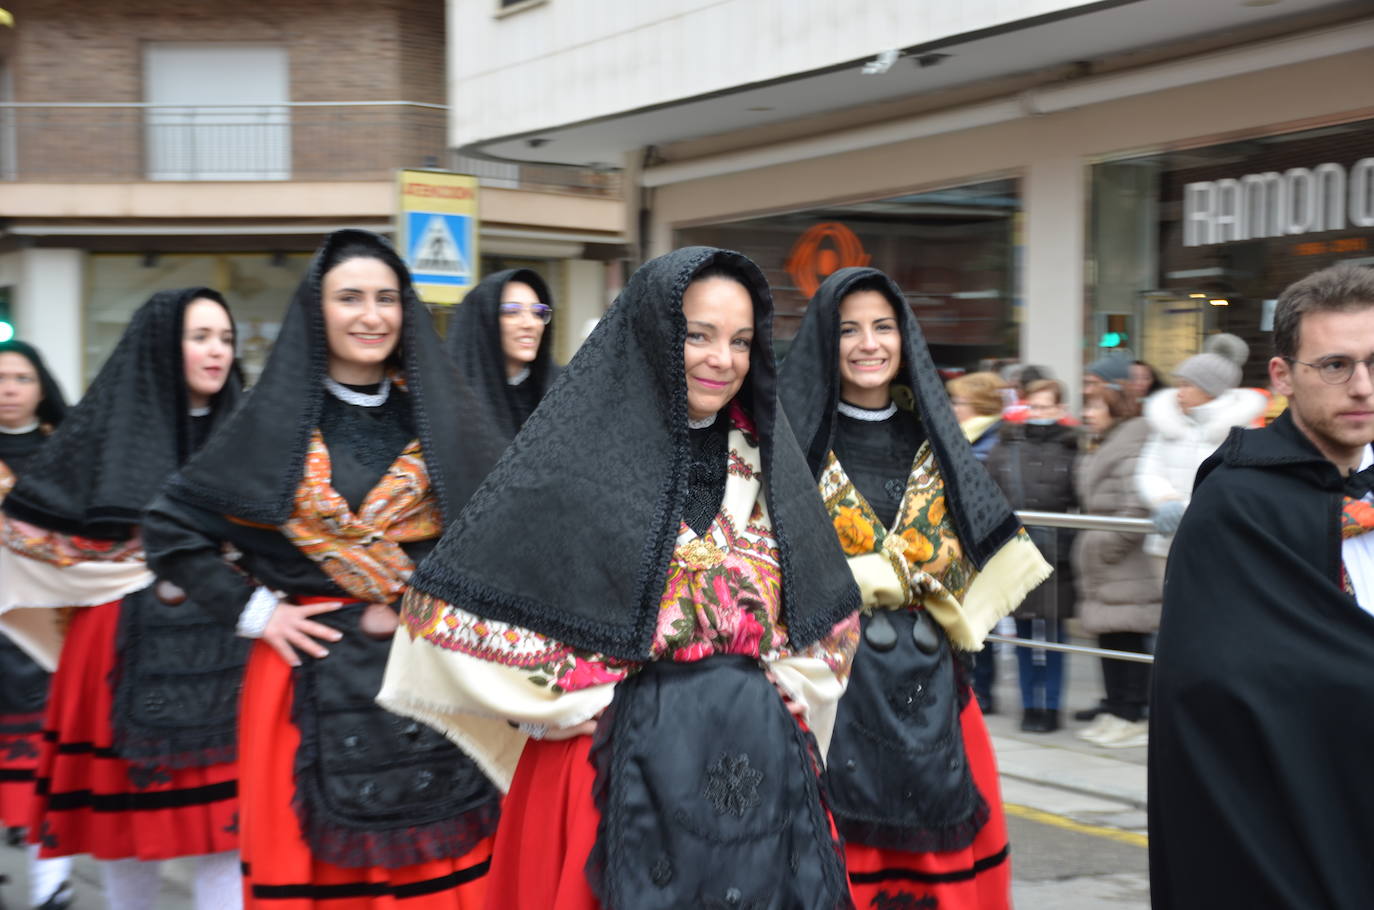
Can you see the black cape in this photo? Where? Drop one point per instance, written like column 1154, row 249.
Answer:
column 1260, row 735
column 572, row 533
column 252, row 469
column 474, row 343
column 132, row 429
column 809, row 386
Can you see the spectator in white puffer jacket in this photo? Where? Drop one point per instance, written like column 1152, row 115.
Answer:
column 1187, row 424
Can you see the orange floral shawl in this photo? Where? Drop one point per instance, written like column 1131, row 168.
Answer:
column 361, row 552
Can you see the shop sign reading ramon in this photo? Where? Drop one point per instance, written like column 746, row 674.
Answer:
column 1328, row 197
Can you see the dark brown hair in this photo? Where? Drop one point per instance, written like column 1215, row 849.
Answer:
column 1121, row 404
column 1047, row 385
column 1340, row 288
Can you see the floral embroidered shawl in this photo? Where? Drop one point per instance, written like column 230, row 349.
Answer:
column 361, row 551
column 926, row 559
column 722, row 596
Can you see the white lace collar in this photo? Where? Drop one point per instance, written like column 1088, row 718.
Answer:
column 362, row 399
column 20, row 431
column 858, row 413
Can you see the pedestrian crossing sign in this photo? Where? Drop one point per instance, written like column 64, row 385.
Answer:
column 438, row 250
column 437, row 232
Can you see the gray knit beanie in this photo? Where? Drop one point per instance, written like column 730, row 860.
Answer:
column 1218, row 368
column 1113, row 369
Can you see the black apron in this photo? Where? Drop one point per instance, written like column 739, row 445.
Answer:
column 897, row 773
column 374, row 788
column 178, row 674
column 710, row 796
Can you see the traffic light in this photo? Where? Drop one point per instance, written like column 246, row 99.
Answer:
column 6, row 323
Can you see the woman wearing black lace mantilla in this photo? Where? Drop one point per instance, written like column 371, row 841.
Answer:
column 137, row 759
column 939, row 557
column 500, row 341
column 31, row 407
column 620, row 621
column 334, row 478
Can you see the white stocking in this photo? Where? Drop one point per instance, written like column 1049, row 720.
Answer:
column 46, row 876
column 218, row 883
column 130, row 884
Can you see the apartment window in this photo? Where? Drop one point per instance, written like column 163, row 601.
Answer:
column 217, row 112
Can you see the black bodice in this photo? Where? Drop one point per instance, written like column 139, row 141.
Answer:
column 364, row 441
column 706, row 475
column 877, row 456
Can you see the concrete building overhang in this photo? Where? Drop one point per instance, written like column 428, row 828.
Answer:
column 1063, row 52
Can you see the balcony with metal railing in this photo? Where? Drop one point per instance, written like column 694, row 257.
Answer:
column 94, row 142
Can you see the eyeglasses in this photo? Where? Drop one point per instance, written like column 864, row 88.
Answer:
column 1336, row 369
column 542, row 311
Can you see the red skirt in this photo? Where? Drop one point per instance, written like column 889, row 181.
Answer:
column 548, row 826
column 18, row 768
column 977, row 877
column 89, row 800
column 279, row 871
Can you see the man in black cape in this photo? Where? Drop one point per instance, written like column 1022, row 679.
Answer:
column 1262, row 740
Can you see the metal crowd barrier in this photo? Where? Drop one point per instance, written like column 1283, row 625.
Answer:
column 1080, row 523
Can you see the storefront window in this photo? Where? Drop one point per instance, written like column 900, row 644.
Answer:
column 258, row 287
column 953, row 251
column 1191, row 242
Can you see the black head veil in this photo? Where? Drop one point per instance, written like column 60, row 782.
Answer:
column 810, row 390
column 130, row 431
column 474, row 343
column 572, row 533
column 252, row 469
column 53, row 407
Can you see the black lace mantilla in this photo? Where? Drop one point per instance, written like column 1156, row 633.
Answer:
column 177, row 678
column 374, row 788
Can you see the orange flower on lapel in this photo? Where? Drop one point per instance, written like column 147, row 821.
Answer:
column 855, row 531
column 918, row 546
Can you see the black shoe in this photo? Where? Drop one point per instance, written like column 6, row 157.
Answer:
column 1040, row 720
column 1088, row 714
column 60, row 899
column 14, row 837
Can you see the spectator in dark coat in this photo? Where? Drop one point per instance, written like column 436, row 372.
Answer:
column 1034, row 465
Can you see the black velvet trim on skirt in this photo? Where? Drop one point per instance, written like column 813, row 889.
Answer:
column 374, row 788
column 177, row 678
column 897, row 773
column 710, row 796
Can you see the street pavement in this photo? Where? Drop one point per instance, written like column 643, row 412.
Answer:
column 1076, row 814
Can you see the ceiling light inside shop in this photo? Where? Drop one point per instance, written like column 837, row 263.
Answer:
column 1197, row 295
column 1219, row 301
